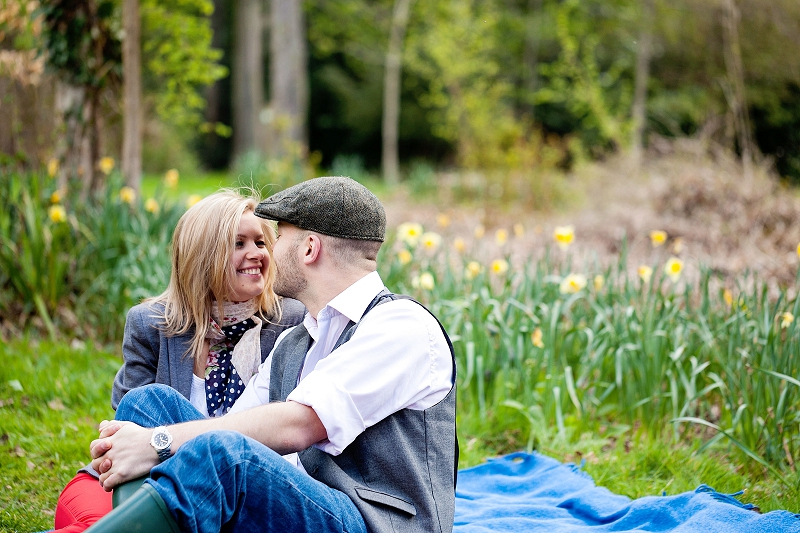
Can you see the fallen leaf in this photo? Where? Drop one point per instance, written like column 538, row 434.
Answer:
column 56, row 404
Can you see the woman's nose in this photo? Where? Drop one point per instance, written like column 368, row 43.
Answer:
column 254, row 252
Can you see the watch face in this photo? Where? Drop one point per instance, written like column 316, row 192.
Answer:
column 161, row 440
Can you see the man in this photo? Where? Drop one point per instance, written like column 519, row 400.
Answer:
column 359, row 400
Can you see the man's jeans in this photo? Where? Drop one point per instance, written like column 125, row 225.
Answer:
column 224, row 481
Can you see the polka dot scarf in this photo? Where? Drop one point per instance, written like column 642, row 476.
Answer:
column 233, row 356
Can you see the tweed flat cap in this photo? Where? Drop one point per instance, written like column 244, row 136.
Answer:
column 335, row 206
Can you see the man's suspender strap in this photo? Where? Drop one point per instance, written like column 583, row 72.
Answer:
column 385, row 296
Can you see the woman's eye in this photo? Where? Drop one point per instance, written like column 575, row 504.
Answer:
column 261, row 244
column 239, row 244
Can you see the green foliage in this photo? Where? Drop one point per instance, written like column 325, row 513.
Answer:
column 76, row 265
column 178, row 58
column 660, row 356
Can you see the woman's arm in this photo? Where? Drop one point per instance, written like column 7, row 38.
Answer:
column 140, row 352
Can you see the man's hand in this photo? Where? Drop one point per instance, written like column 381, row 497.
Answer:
column 122, row 453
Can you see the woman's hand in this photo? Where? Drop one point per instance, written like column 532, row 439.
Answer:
column 122, row 453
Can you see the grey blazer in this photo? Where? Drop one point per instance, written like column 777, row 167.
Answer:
column 152, row 357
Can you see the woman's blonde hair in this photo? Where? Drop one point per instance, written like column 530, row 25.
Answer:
column 202, row 273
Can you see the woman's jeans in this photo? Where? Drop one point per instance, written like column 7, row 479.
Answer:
column 224, row 481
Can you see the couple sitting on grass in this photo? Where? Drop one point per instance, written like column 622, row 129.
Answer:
column 344, row 422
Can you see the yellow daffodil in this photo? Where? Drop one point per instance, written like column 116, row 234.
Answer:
column 499, row 267
column 658, row 237
column 473, row 269
column 786, row 319
column 127, row 195
column 519, row 230
column 564, row 235
column 677, row 245
column 57, row 214
column 572, row 284
column 727, row 297
column 443, row 220
column 151, row 206
column 106, row 165
column 599, row 281
column 404, row 256
column 423, row 281
column 645, row 272
column 501, row 237
column 459, row 244
column 536, row 338
column 431, row 240
column 673, row 268
column 798, row 250
column 480, row 231
column 193, row 199
column 409, row 233
column 52, row 168
column 55, row 198
column 171, row 178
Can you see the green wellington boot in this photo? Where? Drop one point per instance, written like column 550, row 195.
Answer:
column 143, row 512
column 126, row 490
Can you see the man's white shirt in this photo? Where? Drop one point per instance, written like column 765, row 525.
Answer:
column 397, row 359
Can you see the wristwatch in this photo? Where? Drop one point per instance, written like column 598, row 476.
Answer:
column 161, row 441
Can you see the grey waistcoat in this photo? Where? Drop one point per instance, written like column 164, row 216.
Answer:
column 400, row 473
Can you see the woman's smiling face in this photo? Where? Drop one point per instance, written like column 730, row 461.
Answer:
column 250, row 260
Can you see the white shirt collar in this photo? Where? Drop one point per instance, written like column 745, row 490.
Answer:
column 351, row 302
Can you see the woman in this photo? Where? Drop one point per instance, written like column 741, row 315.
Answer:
column 206, row 334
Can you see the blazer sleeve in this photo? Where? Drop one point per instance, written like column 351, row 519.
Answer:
column 140, row 351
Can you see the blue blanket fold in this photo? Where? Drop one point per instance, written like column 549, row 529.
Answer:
column 530, row 492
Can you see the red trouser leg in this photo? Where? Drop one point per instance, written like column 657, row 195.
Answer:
column 82, row 503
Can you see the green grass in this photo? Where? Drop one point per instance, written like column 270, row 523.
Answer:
column 46, row 427
column 52, row 397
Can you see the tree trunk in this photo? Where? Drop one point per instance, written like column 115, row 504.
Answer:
column 288, row 80
column 643, row 56
column 391, row 92
column 131, row 164
column 248, row 77
column 736, row 97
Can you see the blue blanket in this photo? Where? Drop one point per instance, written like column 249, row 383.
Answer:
column 530, row 492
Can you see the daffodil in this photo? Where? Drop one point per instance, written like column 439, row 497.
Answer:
column 572, row 284
column 599, row 281
column 658, row 237
column 645, row 272
column 52, row 167
column 564, row 235
column 677, row 245
column 193, row 199
column 499, row 267
column 423, row 281
column 106, row 165
column 459, row 244
column 55, row 198
column 727, row 297
column 127, row 195
column 57, row 214
column 786, row 319
column 519, row 230
column 501, row 237
column 673, row 268
column 171, row 178
column 798, row 250
column 151, row 206
column 479, row 231
column 409, row 233
column 536, row 338
column 473, row 269
column 443, row 220
column 431, row 240
column 404, row 256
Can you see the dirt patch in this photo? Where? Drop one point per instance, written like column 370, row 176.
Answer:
column 713, row 213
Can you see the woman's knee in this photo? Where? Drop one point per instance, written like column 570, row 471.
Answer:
column 139, row 404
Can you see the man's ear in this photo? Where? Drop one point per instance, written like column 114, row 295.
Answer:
column 312, row 249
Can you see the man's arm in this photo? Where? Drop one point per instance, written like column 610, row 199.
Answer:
column 123, row 451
